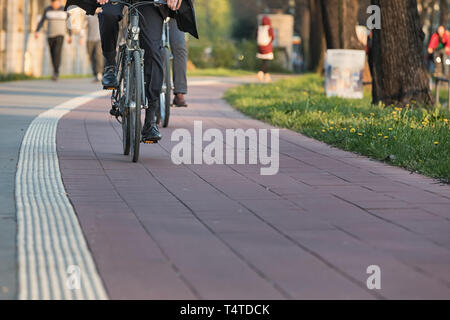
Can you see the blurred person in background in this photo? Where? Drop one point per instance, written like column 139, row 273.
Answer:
column 94, row 45
column 265, row 38
column 180, row 59
column 56, row 19
column 439, row 41
column 438, row 50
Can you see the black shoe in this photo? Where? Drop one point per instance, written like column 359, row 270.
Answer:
column 109, row 80
column 114, row 111
column 150, row 133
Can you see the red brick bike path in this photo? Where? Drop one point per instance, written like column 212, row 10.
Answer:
column 161, row 231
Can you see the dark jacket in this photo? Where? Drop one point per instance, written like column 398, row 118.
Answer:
column 185, row 16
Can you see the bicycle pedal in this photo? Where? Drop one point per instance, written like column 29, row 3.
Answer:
column 150, row 142
column 109, row 88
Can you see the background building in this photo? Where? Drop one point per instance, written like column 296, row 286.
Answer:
column 20, row 52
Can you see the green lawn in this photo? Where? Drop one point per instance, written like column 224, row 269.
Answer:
column 219, row 72
column 14, row 77
column 20, row 76
column 412, row 138
column 443, row 95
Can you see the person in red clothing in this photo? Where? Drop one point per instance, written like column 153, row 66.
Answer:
column 439, row 41
column 438, row 50
column 265, row 48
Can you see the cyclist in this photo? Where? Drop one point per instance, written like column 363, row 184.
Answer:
column 439, row 41
column 151, row 31
column 439, row 45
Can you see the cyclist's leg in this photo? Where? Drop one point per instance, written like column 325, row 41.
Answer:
column 180, row 57
column 151, row 31
column 109, row 19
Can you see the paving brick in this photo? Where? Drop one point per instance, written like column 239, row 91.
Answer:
column 158, row 230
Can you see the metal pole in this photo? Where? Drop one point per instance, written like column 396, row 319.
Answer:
column 437, row 92
column 448, row 101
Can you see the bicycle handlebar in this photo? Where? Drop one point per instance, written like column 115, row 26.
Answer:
column 138, row 3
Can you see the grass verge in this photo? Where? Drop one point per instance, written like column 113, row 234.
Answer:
column 413, row 138
column 20, row 77
column 14, row 77
column 219, row 72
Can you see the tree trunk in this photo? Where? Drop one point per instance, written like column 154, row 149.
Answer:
column 331, row 13
column 400, row 73
column 303, row 26
column 317, row 49
column 444, row 12
column 340, row 17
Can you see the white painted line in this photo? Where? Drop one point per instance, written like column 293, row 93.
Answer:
column 49, row 237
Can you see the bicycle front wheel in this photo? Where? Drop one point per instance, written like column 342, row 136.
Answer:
column 123, row 73
column 135, row 107
column 167, row 89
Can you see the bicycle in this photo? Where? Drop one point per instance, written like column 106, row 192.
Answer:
column 440, row 64
column 166, row 93
column 129, row 97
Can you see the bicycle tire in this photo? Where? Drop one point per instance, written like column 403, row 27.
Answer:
column 135, row 104
column 123, row 73
column 165, row 116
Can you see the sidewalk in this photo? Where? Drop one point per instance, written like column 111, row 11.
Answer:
column 20, row 103
column 160, row 231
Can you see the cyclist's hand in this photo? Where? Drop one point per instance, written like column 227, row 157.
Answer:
column 174, row 4
column 102, row 2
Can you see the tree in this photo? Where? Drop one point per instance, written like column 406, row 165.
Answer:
column 400, row 73
column 444, row 12
column 340, row 18
column 214, row 19
column 316, row 43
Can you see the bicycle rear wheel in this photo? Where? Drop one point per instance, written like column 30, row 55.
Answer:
column 167, row 89
column 135, row 104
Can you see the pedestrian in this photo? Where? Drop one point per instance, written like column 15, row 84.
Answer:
column 94, row 46
column 180, row 59
column 56, row 19
column 265, row 38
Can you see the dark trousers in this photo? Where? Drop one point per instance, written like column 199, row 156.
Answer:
column 265, row 65
column 94, row 49
column 56, row 44
column 150, row 40
column 180, row 57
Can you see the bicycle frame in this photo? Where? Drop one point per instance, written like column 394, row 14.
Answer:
column 166, row 34
column 132, row 36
